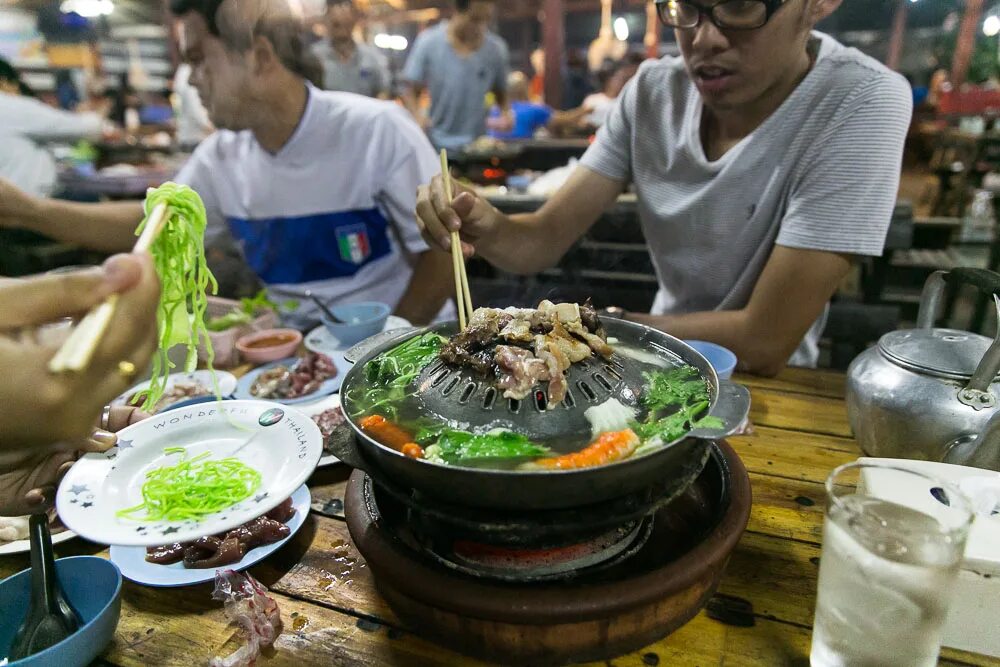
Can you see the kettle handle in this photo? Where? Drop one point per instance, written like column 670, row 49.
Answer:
column 977, row 394
column 986, row 281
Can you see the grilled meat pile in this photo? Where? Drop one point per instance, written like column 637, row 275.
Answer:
column 519, row 348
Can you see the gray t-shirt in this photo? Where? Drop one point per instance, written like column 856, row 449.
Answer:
column 821, row 173
column 458, row 85
column 366, row 73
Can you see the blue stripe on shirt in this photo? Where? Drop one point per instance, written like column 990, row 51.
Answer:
column 322, row 246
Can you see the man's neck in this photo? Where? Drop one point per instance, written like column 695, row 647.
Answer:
column 345, row 49
column 727, row 127
column 463, row 37
column 284, row 113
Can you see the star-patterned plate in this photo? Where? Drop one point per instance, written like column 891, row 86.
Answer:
column 281, row 443
column 132, row 560
column 318, row 408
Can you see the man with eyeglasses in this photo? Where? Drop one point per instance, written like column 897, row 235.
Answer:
column 766, row 160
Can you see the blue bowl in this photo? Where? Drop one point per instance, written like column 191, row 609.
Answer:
column 94, row 588
column 364, row 321
column 722, row 360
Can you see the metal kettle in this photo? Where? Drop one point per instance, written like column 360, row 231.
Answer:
column 931, row 394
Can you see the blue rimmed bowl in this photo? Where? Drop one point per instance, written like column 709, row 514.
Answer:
column 93, row 587
column 361, row 321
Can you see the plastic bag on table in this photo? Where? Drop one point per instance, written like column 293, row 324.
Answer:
column 250, row 607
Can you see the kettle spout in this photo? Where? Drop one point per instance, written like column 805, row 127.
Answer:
column 978, row 451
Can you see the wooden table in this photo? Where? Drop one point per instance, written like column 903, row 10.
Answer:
column 333, row 616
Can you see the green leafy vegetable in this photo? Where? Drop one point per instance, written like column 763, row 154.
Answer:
column 677, row 386
column 247, row 310
column 179, row 257
column 672, row 426
column 194, row 488
column 457, row 447
column 236, row 318
column 682, row 391
column 389, row 375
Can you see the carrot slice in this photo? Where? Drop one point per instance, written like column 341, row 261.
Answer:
column 413, row 450
column 387, row 433
column 608, row 448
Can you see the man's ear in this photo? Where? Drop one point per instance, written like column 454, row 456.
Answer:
column 264, row 57
column 820, row 9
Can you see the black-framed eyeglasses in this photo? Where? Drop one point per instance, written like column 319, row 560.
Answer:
column 725, row 14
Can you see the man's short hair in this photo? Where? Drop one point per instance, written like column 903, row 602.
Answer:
column 330, row 4
column 207, row 8
column 237, row 27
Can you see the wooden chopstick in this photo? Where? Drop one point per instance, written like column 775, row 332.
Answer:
column 78, row 350
column 463, row 296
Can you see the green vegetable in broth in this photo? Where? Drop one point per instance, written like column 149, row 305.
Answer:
column 389, row 375
column 677, row 386
column 179, row 257
column 193, row 488
column 684, row 393
column 454, row 447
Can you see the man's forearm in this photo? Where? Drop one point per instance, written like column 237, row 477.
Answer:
column 431, row 285
column 502, row 100
column 411, row 101
column 759, row 351
column 523, row 245
column 105, row 227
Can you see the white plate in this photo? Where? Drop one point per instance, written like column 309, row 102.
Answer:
column 134, row 566
column 319, row 407
column 227, row 384
column 321, row 340
column 24, row 546
column 331, row 386
column 279, row 442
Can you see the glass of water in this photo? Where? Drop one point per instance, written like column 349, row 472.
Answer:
column 887, row 570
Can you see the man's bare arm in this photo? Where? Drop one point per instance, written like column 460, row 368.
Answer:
column 106, row 227
column 533, row 242
column 411, row 101
column 431, row 285
column 789, row 297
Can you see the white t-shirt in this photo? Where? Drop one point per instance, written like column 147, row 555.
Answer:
column 193, row 123
column 26, row 126
column 601, row 106
column 821, row 173
column 316, row 215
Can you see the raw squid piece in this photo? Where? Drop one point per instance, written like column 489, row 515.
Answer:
column 608, row 448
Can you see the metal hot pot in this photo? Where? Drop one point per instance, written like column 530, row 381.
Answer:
column 454, row 395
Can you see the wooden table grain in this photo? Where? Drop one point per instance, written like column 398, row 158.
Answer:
column 334, row 616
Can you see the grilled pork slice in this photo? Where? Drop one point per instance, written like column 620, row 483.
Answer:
column 557, row 362
column 520, row 371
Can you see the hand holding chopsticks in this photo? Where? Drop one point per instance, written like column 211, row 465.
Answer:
column 463, row 296
column 78, row 350
column 42, row 408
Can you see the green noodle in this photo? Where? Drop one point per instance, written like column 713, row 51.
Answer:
column 179, row 257
column 193, row 489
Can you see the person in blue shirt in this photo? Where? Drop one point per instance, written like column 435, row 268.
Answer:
column 529, row 117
